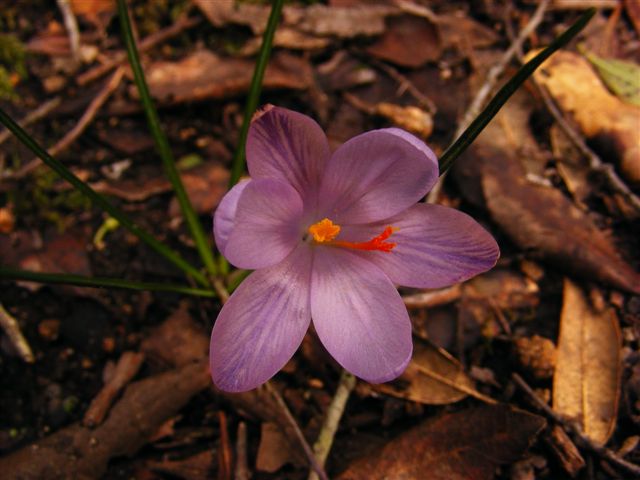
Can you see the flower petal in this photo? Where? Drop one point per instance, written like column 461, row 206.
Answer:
column 267, row 225
column 435, row 247
column 262, row 324
column 225, row 214
column 376, row 175
column 359, row 315
column 288, row 146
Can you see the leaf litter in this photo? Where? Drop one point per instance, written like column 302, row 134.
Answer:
column 354, row 66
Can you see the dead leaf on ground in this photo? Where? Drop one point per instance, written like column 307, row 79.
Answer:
column 273, row 451
column 586, row 383
column 503, row 288
column 608, row 122
column 465, row 445
column 538, row 218
column 205, row 185
column 204, row 75
column 409, row 42
column 433, row 377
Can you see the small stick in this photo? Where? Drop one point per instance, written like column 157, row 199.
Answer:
column 152, row 40
column 71, row 24
column 40, row 112
column 330, row 426
column 225, row 459
column 127, row 367
column 450, row 383
column 580, row 438
column 433, row 298
column 300, row 436
column 595, row 163
column 490, row 82
column 79, row 128
column 242, row 467
column 10, row 326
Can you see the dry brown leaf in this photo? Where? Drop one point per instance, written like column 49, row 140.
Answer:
column 409, row 42
column 205, row 184
column 586, row 383
column 433, row 377
column 273, row 451
column 465, row 445
column 538, row 218
column 612, row 125
column 205, row 75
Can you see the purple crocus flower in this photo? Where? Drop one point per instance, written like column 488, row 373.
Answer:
column 330, row 235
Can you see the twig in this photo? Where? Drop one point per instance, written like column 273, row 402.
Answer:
column 152, row 40
column 405, row 85
column 126, row 368
column 595, row 163
column 450, row 383
column 71, row 24
column 40, row 112
column 330, row 426
column 300, row 436
column 433, row 298
column 242, row 467
column 490, row 82
column 12, row 329
column 579, row 437
column 225, row 459
column 76, row 131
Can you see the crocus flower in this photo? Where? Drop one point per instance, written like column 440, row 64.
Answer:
column 330, row 235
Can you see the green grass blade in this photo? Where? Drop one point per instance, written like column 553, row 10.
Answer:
column 99, row 200
column 254, row 91
column 81, row 281
column 470, row 134
column 162, row 144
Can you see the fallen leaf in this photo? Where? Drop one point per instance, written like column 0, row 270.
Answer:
column 273, row 451
column 205, row 184
column 539, row 219
column 503, row 288
column 608, row 122
column 465, row 445
column 194, row 467
column 633, row 10
column 205, row 75
column 433, row 377
column 409, row 42
column 586, row 382
column 622, row 77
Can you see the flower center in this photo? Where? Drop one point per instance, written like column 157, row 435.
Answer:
column 325, row 231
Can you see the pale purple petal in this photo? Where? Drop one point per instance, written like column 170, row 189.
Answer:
column 225, row 214
column 288, row 146
column 267, row 225
column 260, row 327
column 376, row 175
column 359, row 315
column 436, row 246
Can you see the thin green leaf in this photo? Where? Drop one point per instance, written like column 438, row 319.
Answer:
column 470, row 134
column 79, row 280
column 162, row 144
column 99, row 200
column 622, row 78
column 254, row 91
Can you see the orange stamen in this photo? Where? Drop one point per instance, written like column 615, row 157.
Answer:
column 376, row 243
column 325, row 231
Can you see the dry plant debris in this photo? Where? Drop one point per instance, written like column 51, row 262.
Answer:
column 555, row 178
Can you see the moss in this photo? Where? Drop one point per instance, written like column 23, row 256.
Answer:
column 12, row 65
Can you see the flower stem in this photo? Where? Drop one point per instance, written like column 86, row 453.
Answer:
column 162, row 144
column 470, row 134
